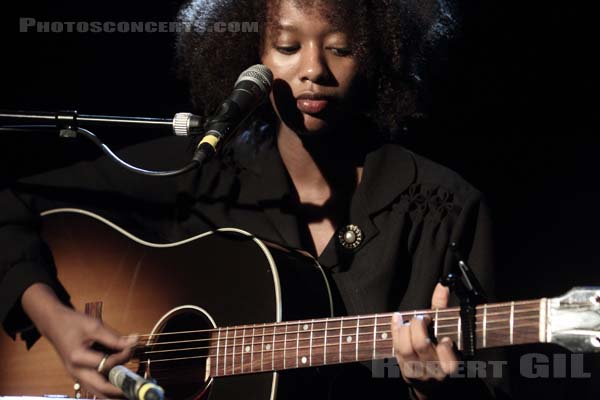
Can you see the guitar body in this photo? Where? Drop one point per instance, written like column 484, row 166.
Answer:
column 216, row 279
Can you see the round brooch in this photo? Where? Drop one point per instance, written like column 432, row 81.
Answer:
column 350, row 237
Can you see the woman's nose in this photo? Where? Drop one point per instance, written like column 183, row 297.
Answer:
column 314, row 65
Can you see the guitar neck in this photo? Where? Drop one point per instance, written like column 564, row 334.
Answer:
column 310, row 343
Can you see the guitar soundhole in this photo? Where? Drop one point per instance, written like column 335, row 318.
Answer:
column 178, row 358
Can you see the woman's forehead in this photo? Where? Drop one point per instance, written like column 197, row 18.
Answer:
column 294, row 16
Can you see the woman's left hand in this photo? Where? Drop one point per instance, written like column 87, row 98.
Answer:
column 424, row 364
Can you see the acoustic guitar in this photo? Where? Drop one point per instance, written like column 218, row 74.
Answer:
column 225, row 315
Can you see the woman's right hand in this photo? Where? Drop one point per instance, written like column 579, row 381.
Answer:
column 72, row 334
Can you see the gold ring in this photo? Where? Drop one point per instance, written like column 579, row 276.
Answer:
column 102, row 362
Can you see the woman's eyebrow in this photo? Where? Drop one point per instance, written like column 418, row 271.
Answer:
column 279, row 26
column 288, row 27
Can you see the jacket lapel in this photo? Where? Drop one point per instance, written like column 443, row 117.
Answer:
column 388, row 172
column 267, row 185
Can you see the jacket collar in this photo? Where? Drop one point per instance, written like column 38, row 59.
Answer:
column 388, row 172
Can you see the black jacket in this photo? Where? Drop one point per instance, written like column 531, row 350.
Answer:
column 408, row 208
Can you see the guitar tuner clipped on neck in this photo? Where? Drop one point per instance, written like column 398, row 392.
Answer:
column 467, row 288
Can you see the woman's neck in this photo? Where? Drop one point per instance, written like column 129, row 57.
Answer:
column 324, row 166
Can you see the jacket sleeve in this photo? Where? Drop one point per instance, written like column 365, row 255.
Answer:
column 142, row 204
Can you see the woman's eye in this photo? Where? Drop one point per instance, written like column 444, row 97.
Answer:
column 287, row 49
column 341, row 51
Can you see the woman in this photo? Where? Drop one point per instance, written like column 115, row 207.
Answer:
column 314, row 160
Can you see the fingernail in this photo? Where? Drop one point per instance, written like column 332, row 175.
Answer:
column 423, row 317
column 397, row 319
column 446, row 339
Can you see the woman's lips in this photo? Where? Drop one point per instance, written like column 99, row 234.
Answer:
column 309, row 106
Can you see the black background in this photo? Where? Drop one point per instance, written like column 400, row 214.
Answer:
column 516, row 116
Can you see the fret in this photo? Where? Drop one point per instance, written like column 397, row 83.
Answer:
column 365, row 338
column 496, row 325
column 262, row 349
column 340, row 338
column 512, row 321
column 375, row 338
column 252, row 349
column 239, row 353
column 357, row 337
column 484, row 325
column 285, row 345
column 218, row 348
column 318, row 342
column 325, row 345
column 233, row 351
column 268, row 348
column 304, row 341
column 297, row 343
column 333, row 341
column 310, row 346
column 348, row 339
column 383, row 337
column 243, row 349
column 278, row 346
column 273, row 346
column 225, row 352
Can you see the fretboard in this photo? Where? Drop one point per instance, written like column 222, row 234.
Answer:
column 309, row 343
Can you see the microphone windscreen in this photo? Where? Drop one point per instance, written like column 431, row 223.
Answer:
column 259, row 74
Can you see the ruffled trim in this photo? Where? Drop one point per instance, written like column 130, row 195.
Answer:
column 431, row 202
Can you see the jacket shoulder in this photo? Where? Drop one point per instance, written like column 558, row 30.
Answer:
column 433, row 175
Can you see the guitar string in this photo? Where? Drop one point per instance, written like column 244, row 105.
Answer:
column 353, row 328
column 272, row 351
column 347, row 319
column 334, row 328
column 382, row 315
column 287, row 340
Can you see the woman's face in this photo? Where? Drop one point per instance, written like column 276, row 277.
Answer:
column 313, row 67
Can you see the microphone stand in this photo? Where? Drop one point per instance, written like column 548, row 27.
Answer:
column 183, row 124
column 73, row 117
column 67, row 122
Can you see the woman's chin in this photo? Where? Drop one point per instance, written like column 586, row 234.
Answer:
column 314, row 125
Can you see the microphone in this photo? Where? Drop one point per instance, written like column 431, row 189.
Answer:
column 134, row 386
column 250, row 90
